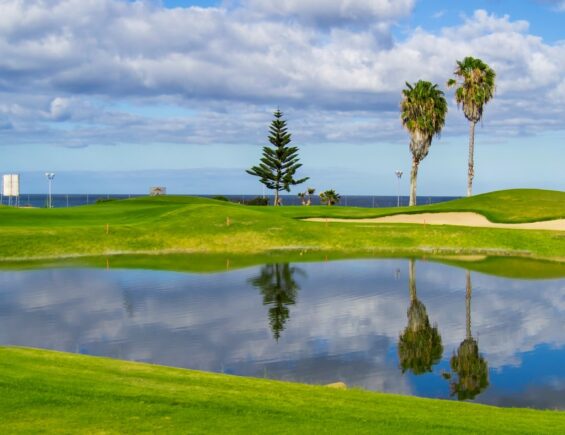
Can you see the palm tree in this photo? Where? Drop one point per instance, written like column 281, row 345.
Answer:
column 468, row 363
column 419, row 346
column 330, row 197
column 423, row 111
column 476, row 88
column 306, row 197
column 310, row 192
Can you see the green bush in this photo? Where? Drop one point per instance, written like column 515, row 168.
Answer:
column 256, row 201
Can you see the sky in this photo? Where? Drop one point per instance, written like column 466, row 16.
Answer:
column 116, row 96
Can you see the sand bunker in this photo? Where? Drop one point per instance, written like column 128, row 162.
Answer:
column 467, row 219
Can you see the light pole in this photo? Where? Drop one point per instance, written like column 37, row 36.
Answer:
column 399, row 176
column 50, row 176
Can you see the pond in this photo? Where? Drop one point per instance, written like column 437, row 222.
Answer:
column 399, row 326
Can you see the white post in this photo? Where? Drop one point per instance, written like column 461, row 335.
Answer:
column 50, row 176
column 399, row 176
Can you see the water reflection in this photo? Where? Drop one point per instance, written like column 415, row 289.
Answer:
column 278, row 286
column 419, row 346
column 467, row 363
column 335, row 321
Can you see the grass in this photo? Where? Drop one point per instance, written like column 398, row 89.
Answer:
column 508, row 267
column 205, row 226
column 52, row 392
column 506, row 206
column 44, row 391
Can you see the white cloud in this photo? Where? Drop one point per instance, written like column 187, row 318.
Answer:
column 439, row 14
column 59, row 109
column 334, row 12
column 558, row 5
column 231, row 66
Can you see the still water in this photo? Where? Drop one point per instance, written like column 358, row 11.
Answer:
column 399, row 326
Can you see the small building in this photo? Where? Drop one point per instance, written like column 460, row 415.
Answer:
column 11, row 188
column 158, row 191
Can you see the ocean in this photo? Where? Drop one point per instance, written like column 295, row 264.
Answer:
column 74, row 200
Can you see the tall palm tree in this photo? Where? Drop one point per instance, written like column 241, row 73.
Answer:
column 475, row 88
column 423, row 111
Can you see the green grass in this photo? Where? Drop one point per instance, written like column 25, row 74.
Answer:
column 45, row 391
column 508, row 267
column 199, row 225
column 506, row 206
column 511, row 267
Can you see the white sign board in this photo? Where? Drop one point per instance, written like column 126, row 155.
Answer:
column 11, row 185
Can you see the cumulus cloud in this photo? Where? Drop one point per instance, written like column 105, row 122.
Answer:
column 334, row 12
column 65, row 60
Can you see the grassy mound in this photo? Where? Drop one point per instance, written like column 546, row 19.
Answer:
column 198, row 225
column 505, row 206
column 45, row 391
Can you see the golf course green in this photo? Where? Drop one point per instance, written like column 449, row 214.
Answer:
column 46, row 391
column 175, row 224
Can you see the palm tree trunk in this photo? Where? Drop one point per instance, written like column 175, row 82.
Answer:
column 412, row 279
column 471, row 172
column 468, row 304
column 413, row 178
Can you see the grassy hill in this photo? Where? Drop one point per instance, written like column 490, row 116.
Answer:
column 198, row 225
column 505, row 206
column 51, row 392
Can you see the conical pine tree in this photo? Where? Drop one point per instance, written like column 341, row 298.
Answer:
column 280, row 162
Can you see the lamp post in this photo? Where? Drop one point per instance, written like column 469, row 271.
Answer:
column 399, row 176
column 50, row 176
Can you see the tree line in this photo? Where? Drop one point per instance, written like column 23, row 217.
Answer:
column 423, row 111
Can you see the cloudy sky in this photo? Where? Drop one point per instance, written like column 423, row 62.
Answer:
column 117, row 95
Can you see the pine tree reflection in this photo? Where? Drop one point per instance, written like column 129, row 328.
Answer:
column 419, row 346
column 277, row 285
column 471, row 368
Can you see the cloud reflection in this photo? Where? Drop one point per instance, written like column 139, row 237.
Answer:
column 343, row 325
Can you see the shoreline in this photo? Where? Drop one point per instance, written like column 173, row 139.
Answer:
column 430, row 252
column 46, row 390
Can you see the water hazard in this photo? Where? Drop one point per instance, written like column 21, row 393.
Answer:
column 400, row 326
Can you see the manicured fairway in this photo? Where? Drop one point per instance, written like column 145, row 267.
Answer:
column 504, row 206
column 198, row 225
column 44, row 391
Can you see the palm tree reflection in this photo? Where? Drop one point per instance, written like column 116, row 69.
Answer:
column 469, row 365
column 279, row 289
column 419, row 346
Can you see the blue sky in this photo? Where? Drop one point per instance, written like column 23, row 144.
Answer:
column 116, row 95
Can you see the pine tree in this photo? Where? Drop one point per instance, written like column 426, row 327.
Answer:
column 279, row 162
